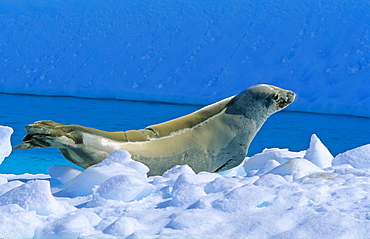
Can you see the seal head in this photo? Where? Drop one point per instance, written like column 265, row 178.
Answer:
column 265, row 98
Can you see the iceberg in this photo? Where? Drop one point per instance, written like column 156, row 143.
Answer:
column 153, row 51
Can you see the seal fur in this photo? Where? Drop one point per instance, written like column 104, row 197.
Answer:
column 214, row 138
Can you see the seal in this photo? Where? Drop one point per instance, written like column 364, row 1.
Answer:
column 213, row 139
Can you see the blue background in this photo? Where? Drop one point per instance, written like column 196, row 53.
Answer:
column 190, row 51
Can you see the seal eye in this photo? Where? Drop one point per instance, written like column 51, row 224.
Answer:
column 276, row 97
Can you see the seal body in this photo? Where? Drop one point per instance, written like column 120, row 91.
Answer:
column 214, row 138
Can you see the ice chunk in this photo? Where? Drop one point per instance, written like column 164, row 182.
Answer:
column 186, row 189
column 177, row 170
column 358, row 157
column 9, row 186
column 197, row 225
column 271, row 164
column 252, row 173
column 318, row 154
column 123, row 227
column 298, row 168
column 270, row 180
column 185, row 179
column 3, row 180
column 125, row 188
column 83, row 184
column 118, row 163
column 221, row 184
column 94, row 219
column 5, row 145
column 257, row 161
column 16, row 222
column 187, row 194
column 74, row 225
column 123, row 157
column 237, row 171
column 206, row 177
column 242, row 199
column 34, row 195
column 63, row 173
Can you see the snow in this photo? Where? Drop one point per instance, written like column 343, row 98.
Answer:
column 358, row 157
column 297, row 168
column 274, row 194
column 153, row 50
column 5, row 145
column 103, row 173
column 34, row 195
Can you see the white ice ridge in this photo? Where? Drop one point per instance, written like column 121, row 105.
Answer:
column 5, row 145
column 318, row 154
column 274, row 194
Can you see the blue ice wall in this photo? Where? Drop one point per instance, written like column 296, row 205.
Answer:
column 189, row 51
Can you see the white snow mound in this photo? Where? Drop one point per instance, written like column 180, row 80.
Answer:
column 257, row 161
column 357, row 158
column 298, row 168
column 35, row 195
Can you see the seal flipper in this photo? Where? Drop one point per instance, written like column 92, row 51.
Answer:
column 31, row 142
column 67, row 138
column 26, row 145
column 47, row 134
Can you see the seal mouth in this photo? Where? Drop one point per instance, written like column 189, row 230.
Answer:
column 284, row 100
column 282, row 105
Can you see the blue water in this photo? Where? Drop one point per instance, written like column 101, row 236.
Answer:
column 285, row 129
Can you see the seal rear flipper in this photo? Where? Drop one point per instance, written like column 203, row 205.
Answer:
column 48, row 134
column 27, row 145
column 36, row 141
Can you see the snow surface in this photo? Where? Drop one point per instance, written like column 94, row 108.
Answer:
column 153, row 50
column 274, row 194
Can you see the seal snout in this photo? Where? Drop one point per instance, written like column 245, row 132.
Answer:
column 285, row 99
column 290, row 96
